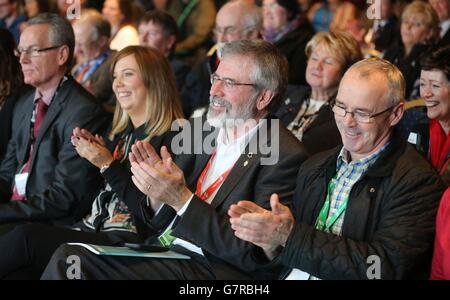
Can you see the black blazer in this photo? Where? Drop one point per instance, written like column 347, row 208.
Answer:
column 322, row 134
column 207, row 225
column 61, row 184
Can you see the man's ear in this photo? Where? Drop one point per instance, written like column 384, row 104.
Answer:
column 397, row 114
column 264, row 99
column 63, row 55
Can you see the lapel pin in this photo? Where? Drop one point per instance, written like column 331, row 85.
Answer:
column 250, row 155
column 245, row 163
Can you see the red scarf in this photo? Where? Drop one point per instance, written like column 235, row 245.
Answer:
column 439, row 145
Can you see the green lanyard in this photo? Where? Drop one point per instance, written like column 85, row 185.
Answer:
column 186, row 12
column 324, row 223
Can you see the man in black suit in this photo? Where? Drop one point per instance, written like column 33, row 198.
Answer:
column 250, row 155
column 42, row 178
column 442, row 8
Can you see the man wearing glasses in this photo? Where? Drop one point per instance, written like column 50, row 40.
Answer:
column 362, row 211
column 42, row 178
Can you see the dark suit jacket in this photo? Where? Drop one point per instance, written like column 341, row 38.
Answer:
column 207, row 225
column 61, row 184
column 322, row 134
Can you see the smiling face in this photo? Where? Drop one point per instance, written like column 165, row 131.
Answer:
column 324, row 70
column 435, row 90
column 371, row 97
column 129, row 87
column 236, row 102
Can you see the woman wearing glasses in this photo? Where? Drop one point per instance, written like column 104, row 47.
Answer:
column 11, row 82
column 148, row 103
column 307, row 110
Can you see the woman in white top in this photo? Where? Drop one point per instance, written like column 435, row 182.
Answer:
column 119, row 14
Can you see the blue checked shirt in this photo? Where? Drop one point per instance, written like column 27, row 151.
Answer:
column 348, row 173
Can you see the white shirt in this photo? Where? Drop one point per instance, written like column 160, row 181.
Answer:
column 227, row 153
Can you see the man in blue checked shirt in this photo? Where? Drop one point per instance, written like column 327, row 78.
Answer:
column 365, row 210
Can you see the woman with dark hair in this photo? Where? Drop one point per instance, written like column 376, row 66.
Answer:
column 11, row 81
column 147, row 104
column 120, row 14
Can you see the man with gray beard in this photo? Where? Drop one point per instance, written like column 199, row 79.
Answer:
column 248, row 155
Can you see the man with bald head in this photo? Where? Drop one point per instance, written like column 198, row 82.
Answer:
column 365, row 210
column 236, row 20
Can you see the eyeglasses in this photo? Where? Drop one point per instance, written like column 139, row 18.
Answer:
column 360, row 117
column 33, row 51
column 228, row 83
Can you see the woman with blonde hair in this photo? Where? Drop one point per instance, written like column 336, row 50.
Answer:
column 307, row 110
column 147, row 104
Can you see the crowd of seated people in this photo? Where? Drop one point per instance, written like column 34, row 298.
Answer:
column 263, row 139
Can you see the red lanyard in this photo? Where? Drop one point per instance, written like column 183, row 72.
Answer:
column 212, row 188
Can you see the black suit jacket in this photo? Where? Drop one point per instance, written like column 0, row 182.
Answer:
column 207, row 225
column 61, row 184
